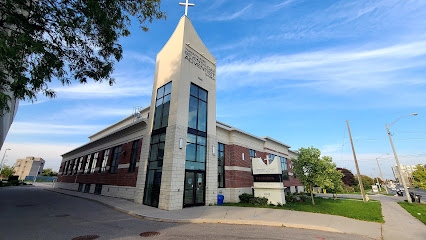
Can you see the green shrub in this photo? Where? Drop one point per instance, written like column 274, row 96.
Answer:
column 15, row 183
column 261, row 201
column 348, row 189
column 245, row 197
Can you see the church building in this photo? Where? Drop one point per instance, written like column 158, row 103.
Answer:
column 174, row 153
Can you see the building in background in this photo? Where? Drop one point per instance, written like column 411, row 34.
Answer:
column 7, row 119
column 407, row 172
column 30, row 166
column 174, row 153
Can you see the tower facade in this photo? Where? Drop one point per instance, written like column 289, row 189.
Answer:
column 178, row 165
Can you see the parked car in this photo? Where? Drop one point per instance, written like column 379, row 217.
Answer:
column 393, row 189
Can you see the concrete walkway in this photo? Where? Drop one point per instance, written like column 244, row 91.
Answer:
column 238, row 215
column 399, row 224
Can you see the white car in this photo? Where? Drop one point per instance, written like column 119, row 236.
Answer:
column 393, row 189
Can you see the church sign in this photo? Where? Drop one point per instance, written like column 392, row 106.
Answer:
column 200, row 62
column 267, row 180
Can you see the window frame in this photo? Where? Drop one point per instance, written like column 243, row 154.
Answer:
column 221, row 166
column 115, row 161
column 134, row 155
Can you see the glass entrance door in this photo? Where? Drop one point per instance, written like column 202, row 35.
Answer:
column 194, row 188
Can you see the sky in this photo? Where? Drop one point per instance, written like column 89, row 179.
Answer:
column 292, row 70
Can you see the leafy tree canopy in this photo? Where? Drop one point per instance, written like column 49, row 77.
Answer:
column 348, row 178
column 49, row 172
column 367, row 182
column 419, row 177
column 315, row 171
column 7, row 171
column 68, row 40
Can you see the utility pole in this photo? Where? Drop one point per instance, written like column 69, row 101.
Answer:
column 402, row 179
column 381, row 175
column 356, row 165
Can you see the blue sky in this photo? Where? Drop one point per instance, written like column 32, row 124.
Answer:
column 293, row 70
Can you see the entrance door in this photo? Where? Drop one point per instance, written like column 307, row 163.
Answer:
column 194, row 189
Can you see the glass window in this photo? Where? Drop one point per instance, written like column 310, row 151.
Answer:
column 87, row 166
column 94, row 162
column 192, row 115
column 115, row 159
column 252, row 153
column 162, row 106
column 155, row 165
column 105, row 161
column 197, row 114
column 133, row 157
column 195, row 152
column 221, row 165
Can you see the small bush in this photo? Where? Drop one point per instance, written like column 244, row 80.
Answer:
column 348, row 189
column 15, row 183
column 261, row 201
column 245, row 197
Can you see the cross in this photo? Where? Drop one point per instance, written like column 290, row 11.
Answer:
column 186, row 6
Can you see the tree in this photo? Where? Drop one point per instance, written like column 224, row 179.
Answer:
column 419, row 177
column 367, row 182
column 348, row 178
column 49, row 172
column 7, row 171
column 315, row 171
column 67, row 40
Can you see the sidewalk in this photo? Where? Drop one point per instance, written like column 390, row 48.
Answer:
column 238, row 215
column 399, row 224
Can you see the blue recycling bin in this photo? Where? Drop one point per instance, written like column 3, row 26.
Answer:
column 220, row 199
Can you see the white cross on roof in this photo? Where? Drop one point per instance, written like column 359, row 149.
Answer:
column 186, row 6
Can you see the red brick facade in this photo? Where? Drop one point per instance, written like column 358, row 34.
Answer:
column 240, row 179
column 121, row 178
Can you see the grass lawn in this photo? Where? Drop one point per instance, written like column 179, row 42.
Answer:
column 369, row 211
column 414, row 209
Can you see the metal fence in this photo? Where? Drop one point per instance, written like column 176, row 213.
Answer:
column 41, row 179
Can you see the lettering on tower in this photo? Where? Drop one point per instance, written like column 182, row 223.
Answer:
column 199, row 61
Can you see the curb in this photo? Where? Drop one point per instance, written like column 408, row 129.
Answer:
column 212, row 221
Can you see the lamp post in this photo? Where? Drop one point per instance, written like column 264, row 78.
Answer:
column 2, row 160
column 396, row 157
column 381, row 175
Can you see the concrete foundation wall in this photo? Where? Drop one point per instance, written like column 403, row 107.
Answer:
column 232, row 194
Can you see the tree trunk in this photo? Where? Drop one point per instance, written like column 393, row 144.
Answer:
column 312, row 194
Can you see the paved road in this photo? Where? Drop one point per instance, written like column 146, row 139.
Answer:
column 29, row 212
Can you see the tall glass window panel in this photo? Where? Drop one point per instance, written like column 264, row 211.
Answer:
column 195, row 152
column 94, row 162
column 104, row 161
column 284, row 168
column 155, row 165
column 75, row 166
column 115, row 159
column 197, row 114
column 162, row 106
column 87, row 165
column 192, row 115
column 221, row 165
column 133, row 157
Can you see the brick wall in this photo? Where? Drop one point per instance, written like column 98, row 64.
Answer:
column 241, row 179
column 122, row 178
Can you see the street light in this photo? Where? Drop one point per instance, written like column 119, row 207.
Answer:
column 396, row 157
column 2, row 160
column 381, row 175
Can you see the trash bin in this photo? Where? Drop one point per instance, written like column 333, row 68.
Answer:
column 220, row 199
column 418, row 198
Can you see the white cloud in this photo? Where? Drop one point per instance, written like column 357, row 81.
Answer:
column 228, row 16
column 52, row 129
column 103, row 90
column 51, row 152
column 341, row 68
column 139, row 57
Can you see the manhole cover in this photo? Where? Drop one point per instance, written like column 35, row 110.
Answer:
column 86, row 237
column 61, row 215
column 149, row 234
column 25, row 205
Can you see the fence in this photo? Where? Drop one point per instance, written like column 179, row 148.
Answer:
column 41, row 179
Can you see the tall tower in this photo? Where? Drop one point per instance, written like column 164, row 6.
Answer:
column 178, row 166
